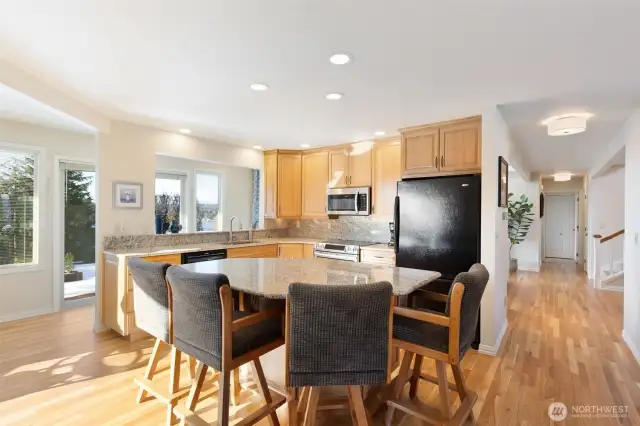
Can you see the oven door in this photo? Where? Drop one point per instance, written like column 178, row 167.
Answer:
column 349, row 201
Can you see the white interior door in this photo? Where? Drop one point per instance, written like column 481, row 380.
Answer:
column 560, row 226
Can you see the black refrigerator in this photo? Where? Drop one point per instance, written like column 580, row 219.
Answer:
column 437, row 227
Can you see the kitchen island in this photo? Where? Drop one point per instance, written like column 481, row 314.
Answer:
column 270, row 279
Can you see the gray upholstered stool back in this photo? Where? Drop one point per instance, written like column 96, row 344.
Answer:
column 151, row 297
column 338, row 335
column 197, row 314
column 475, row 281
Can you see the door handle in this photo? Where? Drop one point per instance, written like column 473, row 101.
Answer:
column 442, row 161
column 436, row 161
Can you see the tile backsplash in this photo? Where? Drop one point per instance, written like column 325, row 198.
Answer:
column 360, row 228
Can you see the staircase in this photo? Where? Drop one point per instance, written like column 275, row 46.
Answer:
column 609, row 263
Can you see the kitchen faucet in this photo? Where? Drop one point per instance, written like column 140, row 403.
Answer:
column 231, row 228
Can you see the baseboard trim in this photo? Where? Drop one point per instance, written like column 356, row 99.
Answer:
column 493, row 350
column 631, row 346
column 25, row 315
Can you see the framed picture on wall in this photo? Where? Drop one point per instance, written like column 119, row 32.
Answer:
column 503, row 181
column 127, row 195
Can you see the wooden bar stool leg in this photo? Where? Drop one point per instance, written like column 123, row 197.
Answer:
column 303, row 399
column 174, row 384
column 150, row 371
column 263, row 389
column 223, row 397
column 415, row 378
column 292, row 406
column 193, row 366
column 443, row 386
column 235, row 387
column 462, row 389
column 401, row 380
column 312, row 406
column 355, row 398
column 196, row 386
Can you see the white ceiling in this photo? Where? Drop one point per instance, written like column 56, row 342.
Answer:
column 577, row 153
column 19, row 107
column 188, row 63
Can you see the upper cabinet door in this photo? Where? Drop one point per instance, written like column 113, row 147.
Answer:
column 420, row 154
column 360, row 164
column 386, row 174
column 315, row 179
column 338, row 168
column 289, row 186
column 270, row 185
column 460, row 147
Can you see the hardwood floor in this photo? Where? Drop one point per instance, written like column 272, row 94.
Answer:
column 563, row 344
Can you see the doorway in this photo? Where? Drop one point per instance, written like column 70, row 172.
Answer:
column 560, row 226
column 78, row 208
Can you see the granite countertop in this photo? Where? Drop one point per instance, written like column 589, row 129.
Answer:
column 270, row 278
column 186, row 248
column 378, row 247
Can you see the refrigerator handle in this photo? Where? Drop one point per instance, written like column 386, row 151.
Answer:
column 396, row 224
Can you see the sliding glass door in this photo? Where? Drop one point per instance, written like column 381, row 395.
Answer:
column 79, row 227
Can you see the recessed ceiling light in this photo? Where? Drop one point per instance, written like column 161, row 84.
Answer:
column 379, row 133
column 185, row 131
column 562, row 176
column 567, row 124
column 340, row 58
column 257, row 147
column 259, row 87
column 305, row 145
column 334, row 96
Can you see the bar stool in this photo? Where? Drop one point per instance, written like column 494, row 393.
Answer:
column 443, row 337
column 337, row 335
column 207, row 327
column 152, row 307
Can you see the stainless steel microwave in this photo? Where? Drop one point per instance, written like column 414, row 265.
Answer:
column 349, row 201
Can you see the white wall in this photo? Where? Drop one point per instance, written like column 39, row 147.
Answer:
column 236, row 185
column 528, row 251
column 26, row 294
column 631, row 327
column 494, row 245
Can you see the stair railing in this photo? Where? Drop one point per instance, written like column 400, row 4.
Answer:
column 608, row 250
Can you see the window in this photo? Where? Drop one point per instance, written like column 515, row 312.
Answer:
column 207, row 202
column 17, row 201
column 170, row 208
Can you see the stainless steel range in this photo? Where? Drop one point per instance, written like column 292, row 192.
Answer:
column 340, row 250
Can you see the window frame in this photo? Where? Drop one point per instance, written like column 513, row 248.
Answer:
column 39, row 153
column 195, row 199
column 184, row 196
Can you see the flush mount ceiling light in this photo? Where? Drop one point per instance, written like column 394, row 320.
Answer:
column 259, row 87
column 185, row 131
column 562, row 177
column 379, row 133
column 257, row 147
column 305, row 145
column 569, row 124
column 340, row 58
column 334, row 96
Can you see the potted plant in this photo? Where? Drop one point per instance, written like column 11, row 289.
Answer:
column 520, row 218
column 70, row 274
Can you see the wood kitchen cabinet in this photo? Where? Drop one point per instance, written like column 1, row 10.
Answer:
column 283, row 184
column 441, row 149
column 267, row 251
column 315, row 179
column 386, row 174
column 308, row 251
column 291, row 251
column 350, row 166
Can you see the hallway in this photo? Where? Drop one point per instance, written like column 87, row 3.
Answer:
column 563, row 344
